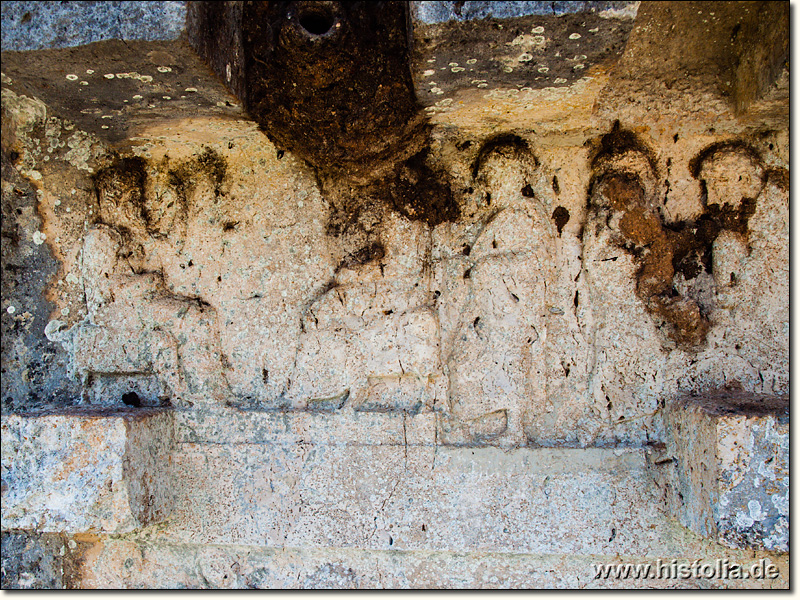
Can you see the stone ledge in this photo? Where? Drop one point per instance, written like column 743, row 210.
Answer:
column 727, row 468
column 86, row 471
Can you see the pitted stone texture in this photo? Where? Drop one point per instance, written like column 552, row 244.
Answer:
column 31, row 561
column 375, row 481
column 467, row 52
column 437, row 12
column 36, row 25
column 731, row 452
column 86, row 471
column 125, row 564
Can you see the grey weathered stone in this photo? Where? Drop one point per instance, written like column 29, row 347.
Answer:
column 437, row 12
column 38, row 25
column 31, row 561
column 86, row 471
column 453, row 366
column 731, row 457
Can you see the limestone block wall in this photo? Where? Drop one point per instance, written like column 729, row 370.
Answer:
column 447, row 370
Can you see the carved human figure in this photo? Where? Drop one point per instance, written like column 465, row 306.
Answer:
column 749, row 258
column 494, row 300
column 126, row 295
column 369, row 340
column 627, row 265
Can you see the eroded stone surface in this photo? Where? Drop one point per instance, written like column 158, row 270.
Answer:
column 85, row 472
column 479, row 335
column 731, row 454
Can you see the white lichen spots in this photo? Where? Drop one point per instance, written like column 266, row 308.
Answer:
column 431, row 60
column 191, row 90
column 90, row 71
column 594, row 30
column 228, row 73
column 84, row 83
column 781, row 503
column 472, row 61
column 560, row 80
column 483, row 85
column 11, row 309
column 508, row 69
column 430, row 108
column 167, row 97
column 574, row 36
column 65, row 311
column 169, row 69
column 525, row 57
column 109, row 76
column 104, row 127
column 756, row 513
column 73, row 279
column 39, row 238
column 72, row 77
column 579, row 66
column 106, row 117
column 146, row 78
column 543, row 69
column 744, row 521
column 453, row 64
column 221, row 104
column 580, row 57
column 428, row 72
column 137, row 97
column 57, row 203
column 537, row 29
column 457, row 69
column 445, row 102
column 437, row 91
column 68, row 209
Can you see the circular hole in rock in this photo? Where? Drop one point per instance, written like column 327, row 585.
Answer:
column 316, row 22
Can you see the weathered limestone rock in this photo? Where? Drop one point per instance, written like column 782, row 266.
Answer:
column 86, row 471
column 419, row 318
column 731, row 463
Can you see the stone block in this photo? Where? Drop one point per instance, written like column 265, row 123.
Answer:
column 86, row 471
column 467, row 52
column 730, row 456
column 37, row 25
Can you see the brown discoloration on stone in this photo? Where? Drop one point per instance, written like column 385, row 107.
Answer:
column 146, row 92
column 533, row 51
column 420, row 192
column 330, row 81
column 560, row 218
column 729, row 402
column 644, row 235
column 80, row 550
